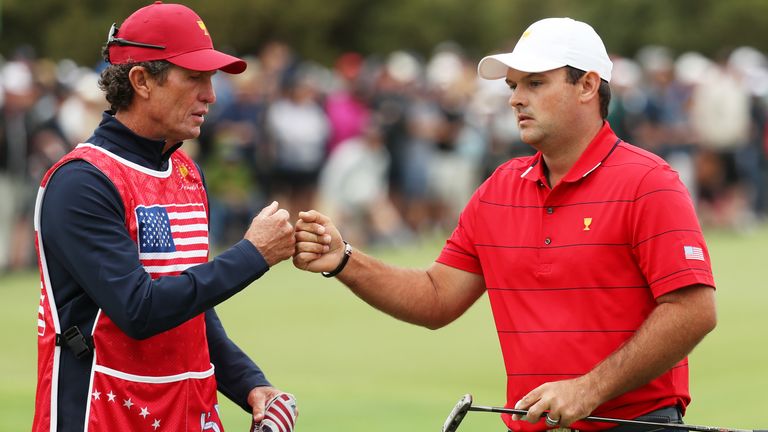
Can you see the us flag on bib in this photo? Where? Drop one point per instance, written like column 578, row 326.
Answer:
column 171, row 238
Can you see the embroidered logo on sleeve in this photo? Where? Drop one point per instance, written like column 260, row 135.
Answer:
column 693, row 253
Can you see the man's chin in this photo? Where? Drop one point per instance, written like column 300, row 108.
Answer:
column 189, row 135
column 528, row 137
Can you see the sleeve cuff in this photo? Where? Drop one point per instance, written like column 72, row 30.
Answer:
column 250, row 255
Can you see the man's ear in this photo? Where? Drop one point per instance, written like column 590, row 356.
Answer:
column 590, row 84
column 140, row 81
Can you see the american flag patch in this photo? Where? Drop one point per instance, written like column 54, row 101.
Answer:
column 172, row 238
column 693, row 253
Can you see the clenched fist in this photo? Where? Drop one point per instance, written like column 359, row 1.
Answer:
column 272, row 234
column 319, row 245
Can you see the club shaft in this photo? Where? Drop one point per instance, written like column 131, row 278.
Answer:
column 620, row 421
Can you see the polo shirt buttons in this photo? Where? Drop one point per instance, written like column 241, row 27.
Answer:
column 547, row 241
column 550, row 210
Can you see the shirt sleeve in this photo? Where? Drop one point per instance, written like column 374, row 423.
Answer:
column 82, row 222
column 236, row 373
column 459, row 250
column 668, row 242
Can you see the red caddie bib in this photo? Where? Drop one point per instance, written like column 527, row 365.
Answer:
column 165, row 382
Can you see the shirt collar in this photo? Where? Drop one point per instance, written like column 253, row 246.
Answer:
column 596, row 152
column 148, row 152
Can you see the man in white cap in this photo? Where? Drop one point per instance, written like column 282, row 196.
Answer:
column 127, row 335
column 591, row 253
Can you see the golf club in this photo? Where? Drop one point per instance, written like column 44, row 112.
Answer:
column 465, row 404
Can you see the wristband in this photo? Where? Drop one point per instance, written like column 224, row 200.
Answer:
column 342, row 264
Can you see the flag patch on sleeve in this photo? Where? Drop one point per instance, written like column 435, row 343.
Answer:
column 693, row 253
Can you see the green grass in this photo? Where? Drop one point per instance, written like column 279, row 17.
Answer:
column 355, row 369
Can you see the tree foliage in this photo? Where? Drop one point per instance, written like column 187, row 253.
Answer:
column 320, row 30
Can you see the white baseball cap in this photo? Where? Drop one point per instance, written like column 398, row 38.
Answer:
column 549, row 44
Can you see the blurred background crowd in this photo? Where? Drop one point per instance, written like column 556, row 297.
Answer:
column 391, row 145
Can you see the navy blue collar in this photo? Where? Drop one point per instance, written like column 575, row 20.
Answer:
column 119, row 139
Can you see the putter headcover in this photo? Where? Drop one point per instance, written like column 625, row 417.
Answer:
column 279, row 415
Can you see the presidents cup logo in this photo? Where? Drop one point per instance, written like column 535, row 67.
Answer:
column 202, row 26
column 587, row 223
column 188, row 180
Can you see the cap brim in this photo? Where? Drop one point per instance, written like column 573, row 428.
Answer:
column 209, row 60
column 495, row 66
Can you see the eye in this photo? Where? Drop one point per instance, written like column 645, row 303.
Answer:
column 199, row 76
column 535, row 83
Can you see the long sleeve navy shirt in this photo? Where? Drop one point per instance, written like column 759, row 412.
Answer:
column 93, row 264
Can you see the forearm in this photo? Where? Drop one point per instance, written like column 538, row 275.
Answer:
column 406, row 294
column 667, row 336
column 142, row 307
column 431, row 298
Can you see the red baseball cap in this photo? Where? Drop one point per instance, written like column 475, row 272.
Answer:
column 171, row 32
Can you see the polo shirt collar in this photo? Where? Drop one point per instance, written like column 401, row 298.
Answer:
column 596, row 152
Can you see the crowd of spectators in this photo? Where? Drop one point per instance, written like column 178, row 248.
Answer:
column 391, row 146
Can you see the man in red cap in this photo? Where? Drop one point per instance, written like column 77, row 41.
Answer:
column 127, row 335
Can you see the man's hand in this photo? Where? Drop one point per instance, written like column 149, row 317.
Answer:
column 567, row 401
column 679, row 321
column 319, row 246
column 272, row 234
column 259, row 397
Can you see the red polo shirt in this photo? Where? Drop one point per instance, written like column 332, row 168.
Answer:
column 573, row 271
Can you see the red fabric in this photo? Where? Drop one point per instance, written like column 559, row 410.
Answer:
column 164, row 382
column 572, row 272
column 180, row 31
column 46, row 353
column 126, row 405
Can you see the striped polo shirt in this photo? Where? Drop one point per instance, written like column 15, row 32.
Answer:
column 573, row 271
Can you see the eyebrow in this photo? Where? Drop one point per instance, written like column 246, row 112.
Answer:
column 527, row 76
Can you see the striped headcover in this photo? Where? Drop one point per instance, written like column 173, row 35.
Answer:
column 279, row 415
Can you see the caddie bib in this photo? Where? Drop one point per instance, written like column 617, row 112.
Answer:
column 165, row 382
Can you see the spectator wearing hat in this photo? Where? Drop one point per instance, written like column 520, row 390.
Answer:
column 128, row 338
